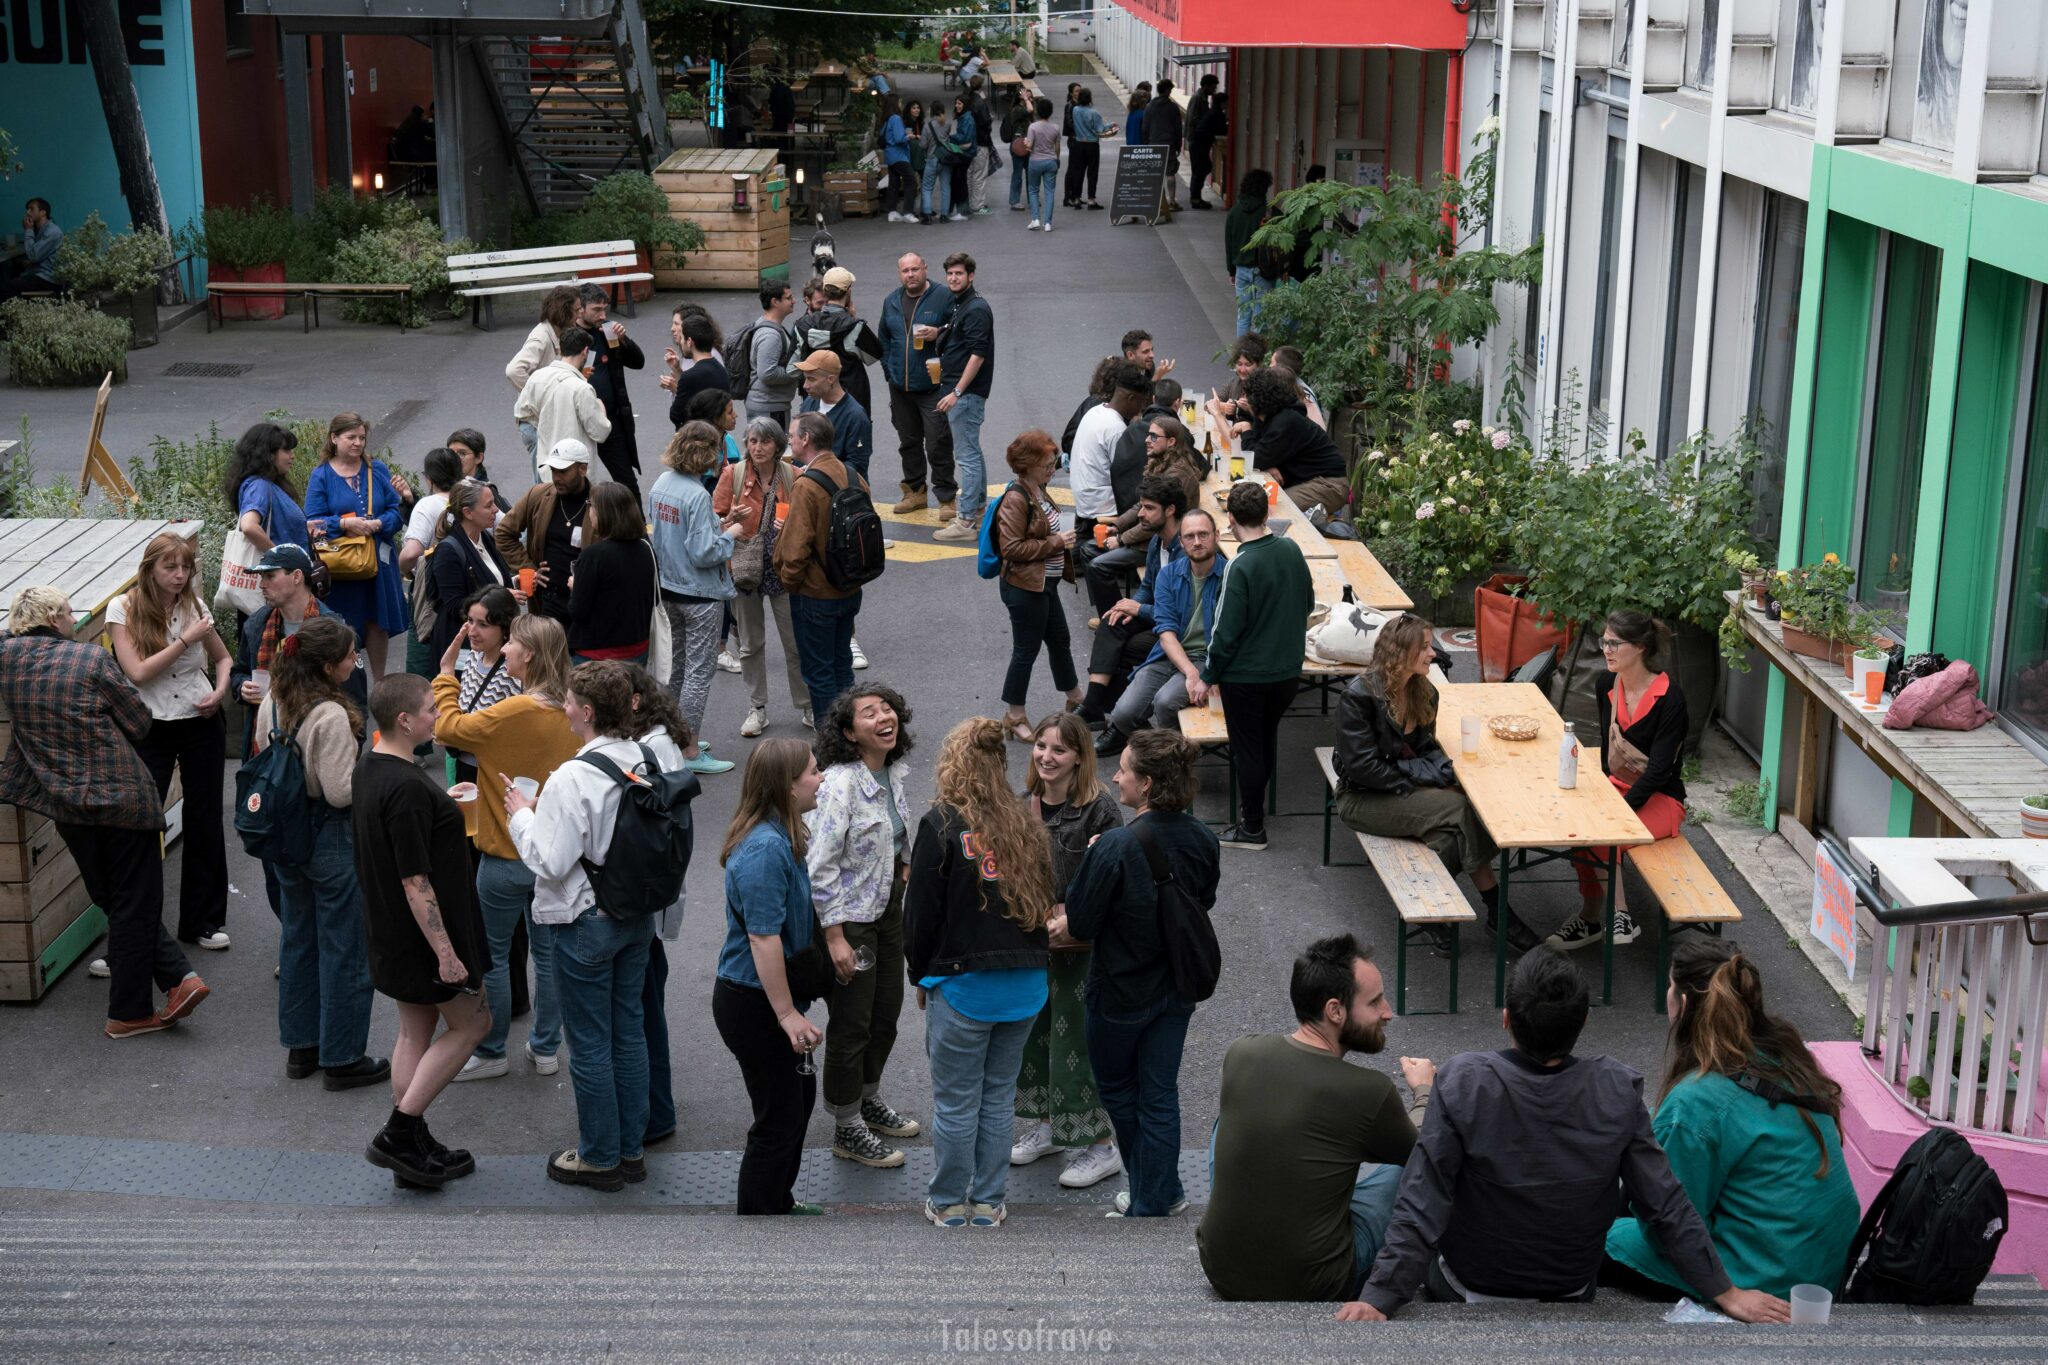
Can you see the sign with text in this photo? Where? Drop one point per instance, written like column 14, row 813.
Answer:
column 1834, row 909
column 1140, row 184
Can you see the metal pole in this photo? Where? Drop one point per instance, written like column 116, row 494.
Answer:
column 448, row 121
column 298, row 124
column 334, row 89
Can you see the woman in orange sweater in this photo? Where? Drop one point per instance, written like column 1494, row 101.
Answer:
column 522, row 736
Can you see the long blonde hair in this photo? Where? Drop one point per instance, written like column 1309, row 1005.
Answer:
column 1411, row 700
column 973, row 778
column 768, row 792
column 547, row 668
column 1085, row 785
column 149, row 625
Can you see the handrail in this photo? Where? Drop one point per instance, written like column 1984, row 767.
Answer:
column 2023, row 906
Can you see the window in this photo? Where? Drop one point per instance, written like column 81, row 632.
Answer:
column 1898, row 424
column 1681, row 309
column 239, row 42
column 2023, row 673
column 1603, row 288
column 1532, row 321
column 1777, row 337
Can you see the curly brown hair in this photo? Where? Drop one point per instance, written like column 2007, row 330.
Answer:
column 973, row 779
column 833, row 746
column 1167, row 761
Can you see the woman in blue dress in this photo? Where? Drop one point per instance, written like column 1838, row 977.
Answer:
column 259, row 487
column 351, row 495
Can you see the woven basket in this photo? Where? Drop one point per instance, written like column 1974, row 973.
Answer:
column 1515, row 727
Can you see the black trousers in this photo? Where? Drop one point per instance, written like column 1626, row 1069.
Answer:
column 901, row 196
column 782, row 1099
column 1037, row 619
column 621, row 459
column 197, row 748
column 1253, row 711
column 1200, row 161
column 1084, row 166
column 864, row 1011
column 124, row 874
column 924, row 439
column 1105, row 570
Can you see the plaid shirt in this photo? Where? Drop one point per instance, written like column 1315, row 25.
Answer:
column 76, row 717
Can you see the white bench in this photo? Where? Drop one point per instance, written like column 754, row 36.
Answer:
column 481, row 276
column 1425, row 893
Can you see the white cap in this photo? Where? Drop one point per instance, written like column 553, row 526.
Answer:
column 566, row 452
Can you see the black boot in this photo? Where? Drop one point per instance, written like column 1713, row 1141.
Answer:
column 400, row 1149
column 1521, row 937
column 457, row 1160
column 301, row 1062
column 1110, row 742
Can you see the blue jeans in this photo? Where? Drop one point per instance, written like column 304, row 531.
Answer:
column 965, row 417
column 1043, row 173
column 1372, row 1209
column 1137, row 1075
column 823, row 627
column 941, row 176
column 323, row 964
column 974, row 1102
column 600, row 970
column 1019, row 168
column 661, row 1092
column 1251, row 287
column 504, row 892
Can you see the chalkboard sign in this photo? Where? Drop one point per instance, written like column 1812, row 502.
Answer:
column 1140, row 184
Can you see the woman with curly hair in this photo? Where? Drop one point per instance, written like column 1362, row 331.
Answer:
column 974, row 916
column 860, row 847
column 259, row 489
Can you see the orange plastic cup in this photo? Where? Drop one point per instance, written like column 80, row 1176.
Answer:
column 1272, row 493
column 1101, row 533
column 781, row 513
column 526, row 581
column 1873, row 685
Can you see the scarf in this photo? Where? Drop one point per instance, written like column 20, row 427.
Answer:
column 273, row 631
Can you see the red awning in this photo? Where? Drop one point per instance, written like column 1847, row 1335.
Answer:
column 1428, row 24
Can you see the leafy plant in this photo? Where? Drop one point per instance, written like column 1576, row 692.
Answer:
column 1400, row 288
column 684, row 103
column 1439, row 509
column 95, row 262
column 1733, row 639
column 408, row 251
column 2037, row 802
column 629, row 205
column 1745, row 801
column 1815, row 597
column 238, row 238
column 56, row 342
column 10, row 157
column 338, row 215
column 22, row 496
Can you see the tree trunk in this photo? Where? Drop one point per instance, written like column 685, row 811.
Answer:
column 100, row 21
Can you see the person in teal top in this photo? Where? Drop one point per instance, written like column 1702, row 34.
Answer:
column 1751, row 1125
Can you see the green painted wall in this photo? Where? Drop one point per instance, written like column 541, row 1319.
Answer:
column 1833, row 457
column 1988, row 393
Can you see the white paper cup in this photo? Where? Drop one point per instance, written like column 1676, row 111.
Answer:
column 465, row 792
column 261, row 677
column 1810, row 1305
column 527, row 787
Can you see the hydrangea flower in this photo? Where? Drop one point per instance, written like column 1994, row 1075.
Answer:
column 1462, row 425
column 1425, row 512
column 1502, row 440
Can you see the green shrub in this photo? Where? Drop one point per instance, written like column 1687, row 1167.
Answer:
column 684, row 103
column 96, row 262
column 407, row 251
column 1745, row 801
column 22, row 496
column 240, row 238
column 1441, row 507
column 52, row 343
column 630, row 206
column 339, row 215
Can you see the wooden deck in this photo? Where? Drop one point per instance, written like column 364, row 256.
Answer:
column 90, row 558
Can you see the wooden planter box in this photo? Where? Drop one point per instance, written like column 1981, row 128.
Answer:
column 859, row 192
column 248, row 307
column 740, row 249
column 1812, row 646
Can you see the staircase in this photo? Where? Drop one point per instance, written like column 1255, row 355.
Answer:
column 579, row 108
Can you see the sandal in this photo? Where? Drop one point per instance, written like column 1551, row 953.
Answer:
column 1019, row 731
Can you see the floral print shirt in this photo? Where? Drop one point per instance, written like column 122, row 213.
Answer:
column 852, row 855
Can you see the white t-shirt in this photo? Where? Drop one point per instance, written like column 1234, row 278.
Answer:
column 175, row 693
column 1094, row 449
column 490, row 565
column 419, row 528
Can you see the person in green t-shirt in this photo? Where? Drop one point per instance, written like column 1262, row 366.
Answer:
column 1305, row 1158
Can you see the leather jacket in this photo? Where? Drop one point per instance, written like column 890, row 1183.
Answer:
column 1374, row 755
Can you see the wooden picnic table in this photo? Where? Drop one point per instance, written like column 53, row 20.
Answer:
column 91, row 559
column 1513, row 786
column 1300, row 530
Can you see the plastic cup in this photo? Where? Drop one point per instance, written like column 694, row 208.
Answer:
column 916, row 341
column 1237, row 466
column 781, row 513
column 1810, row 1305
column 1272, row 493
column 527, row 787
column 526, row 581
column 465, row 792
column 261, row 677
column 1468, row 735
column 1101, row 533
column 1873, row 685
column 931, row 368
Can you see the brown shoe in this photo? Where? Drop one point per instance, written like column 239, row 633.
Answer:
column 949, row 509
column 913, row 501
column 129, row 1028
column 184, row 998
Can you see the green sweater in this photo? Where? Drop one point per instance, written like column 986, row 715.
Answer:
column 1749, row 1169
column 1262, row 615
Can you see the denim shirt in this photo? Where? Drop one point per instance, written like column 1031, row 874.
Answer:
column 1173, row 600
column 852, row 855
column 767, row 891
column 689, row 545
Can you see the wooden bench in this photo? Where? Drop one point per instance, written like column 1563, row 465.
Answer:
column 1425, row 893
column 1687, row 892
column 1203, row 727
column 484, row 275
column 308, row 292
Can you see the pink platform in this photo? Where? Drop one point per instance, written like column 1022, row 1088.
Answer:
column 1878, row 1126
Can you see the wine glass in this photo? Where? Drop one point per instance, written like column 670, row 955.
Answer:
column 807, row 1061
column 863, row 958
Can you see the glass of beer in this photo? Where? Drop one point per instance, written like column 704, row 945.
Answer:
column 931, row 367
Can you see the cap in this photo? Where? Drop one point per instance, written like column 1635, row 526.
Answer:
column 838, row 277
column 818, row 360
column 566, row 453
column 286, row 556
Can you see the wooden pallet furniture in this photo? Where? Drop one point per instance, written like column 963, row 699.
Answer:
column 308, row 293
column 482, row 277
column 741, row 248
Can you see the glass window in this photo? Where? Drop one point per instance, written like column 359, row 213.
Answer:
column 1898, row 424
column 1681, row 309
column 238, row 40
column 1610, row 249
column 2023, row 677
column 1777, row 337
column 1532, row 321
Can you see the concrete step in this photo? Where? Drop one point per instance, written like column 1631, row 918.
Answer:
column 147, row 1285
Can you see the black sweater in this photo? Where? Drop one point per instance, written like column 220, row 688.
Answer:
column 953, row 917
column 1291, row 443
column 1660, row 734
column 1113, row 903
column 612, row 601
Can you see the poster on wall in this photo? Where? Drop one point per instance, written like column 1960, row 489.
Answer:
column 1941, row 73
column 1834, row 909
column 1359, row 164
column 1807, row 25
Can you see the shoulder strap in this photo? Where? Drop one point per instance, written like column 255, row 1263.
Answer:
column 831, row 489
column 1155, row 856
column 607, row 767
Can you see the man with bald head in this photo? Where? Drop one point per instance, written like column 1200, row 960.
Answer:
column 913, row 316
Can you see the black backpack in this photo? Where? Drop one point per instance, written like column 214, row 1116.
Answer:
column 276, row 815
column 1933, row 1230
column 739, row 356
column 851, row 548
column 1184, row 929
column 649, row 851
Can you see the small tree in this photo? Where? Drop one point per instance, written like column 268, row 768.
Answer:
column 1401, row 282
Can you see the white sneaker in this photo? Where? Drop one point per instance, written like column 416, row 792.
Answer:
column 217, row 940
column 1123, row 1206
column 959, row 528
column 1035, row 1143
column 860, row 660
column 1031, row 226
column 888, row 544
column 484, row 1068
column 727, row 662
column 1095, row 1162
column 1048, row 227
column 808, row 724
column 98, row 967
column 546, row 1063
column 755, row 723
column 957, row 218
column 895, row 217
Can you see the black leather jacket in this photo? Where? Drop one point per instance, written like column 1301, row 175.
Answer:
column 953, row 920
column 1373, row 755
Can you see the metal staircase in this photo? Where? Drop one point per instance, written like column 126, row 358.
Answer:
column 579, row 108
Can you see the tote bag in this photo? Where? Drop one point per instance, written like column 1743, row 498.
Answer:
column 241, row 590
column 660, row 646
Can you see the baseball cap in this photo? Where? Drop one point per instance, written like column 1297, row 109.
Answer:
column 564, row 453
column 838, row 277
column 816, row 361
column 286, row 556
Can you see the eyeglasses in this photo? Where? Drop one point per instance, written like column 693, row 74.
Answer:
column 1155, row 435
column 1608, row 642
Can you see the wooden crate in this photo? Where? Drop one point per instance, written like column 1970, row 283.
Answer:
column 27, row 940
column 20, row 901
column 740, row 249
column 859, row 192
column 38, row 841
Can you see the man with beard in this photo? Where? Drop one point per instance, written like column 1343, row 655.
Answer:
column 1306, row 1155
column 544, row 529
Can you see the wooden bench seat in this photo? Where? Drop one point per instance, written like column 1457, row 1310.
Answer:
column 1203, row 725
column 309, row 293
column 1687, row 892
column 1425, row 893
column 482, row 276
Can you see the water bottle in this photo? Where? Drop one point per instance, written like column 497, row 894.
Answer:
column 1568, row 758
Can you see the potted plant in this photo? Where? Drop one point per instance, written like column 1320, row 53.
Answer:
column 1755, row 577
column 1896, row 584
column 1815, row 606
column 62, row 343
column 247, row 246
column 630, row 206
column 117, row 273
column 685, row 107
column 2034, row 816
column 408, row 249
column 1867, row 659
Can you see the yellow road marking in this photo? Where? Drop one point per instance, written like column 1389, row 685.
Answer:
column 917, row 552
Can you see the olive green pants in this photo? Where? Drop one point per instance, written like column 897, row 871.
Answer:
column 1439, row 817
